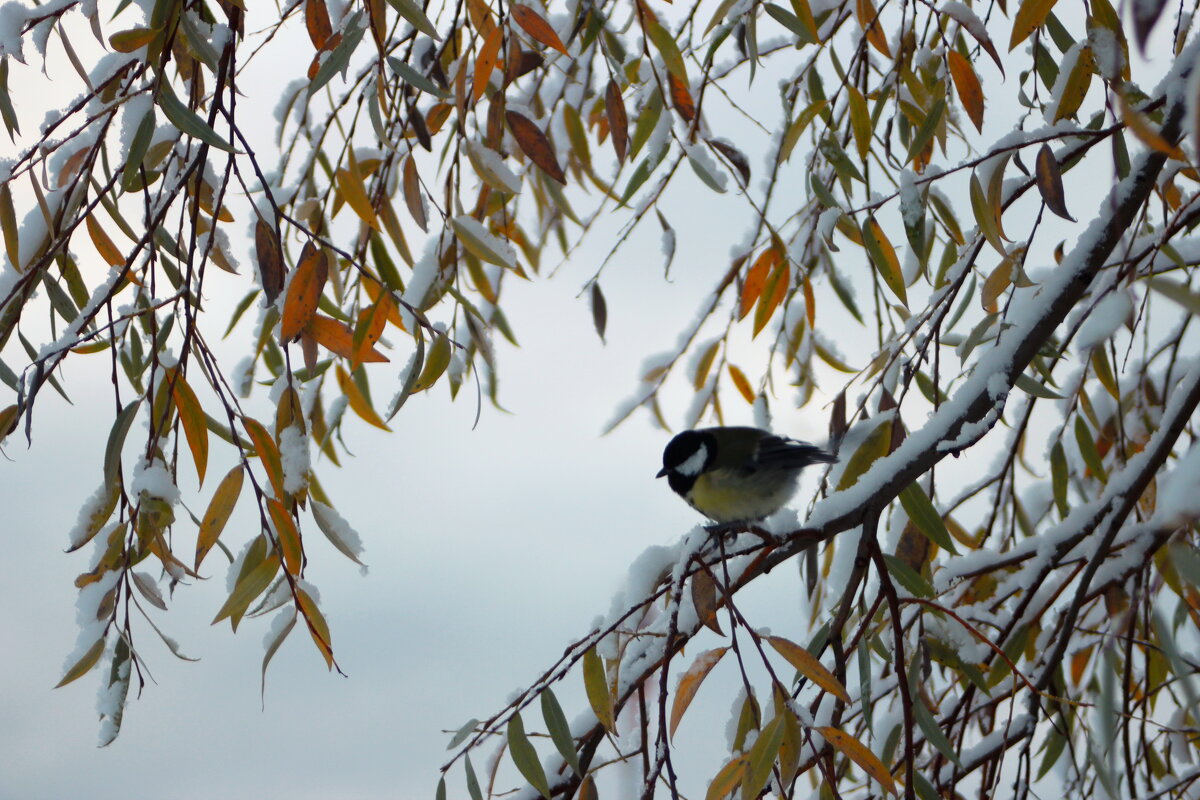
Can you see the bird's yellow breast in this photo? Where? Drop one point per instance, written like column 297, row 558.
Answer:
column 728, row 496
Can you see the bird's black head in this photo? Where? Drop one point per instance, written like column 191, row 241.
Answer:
column 686, row 457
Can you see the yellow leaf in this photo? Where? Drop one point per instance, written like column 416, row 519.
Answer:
column 354, row 192
column 289, row 536
column 808, row 665
column 104, row 245
column 884, row 257
column 595, row 682
column 742, row 384
column 219, row 510
column 1143, row 130
column 728, row 778
column 195, row 426
column 689, row 683
column 129, row 40
column 859, row 754
column 1076, row 87
column 1030, row 16
column 358, row 402
column 436, row 362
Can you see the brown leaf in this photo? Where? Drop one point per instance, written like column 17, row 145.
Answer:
column 535, row 144
column 618, row 122
column 1049, row 183
column 737, row 159
column 536, row 26
column 681, row 98
column 270, row 259
column 966, row 83
column 599, row 310
column 412, row 194
column 304, row 292
column 704, row 598
column 316, row 19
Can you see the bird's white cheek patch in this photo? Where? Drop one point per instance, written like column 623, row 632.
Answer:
column 694, row 464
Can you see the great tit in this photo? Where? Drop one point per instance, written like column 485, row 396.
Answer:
column 736, row 474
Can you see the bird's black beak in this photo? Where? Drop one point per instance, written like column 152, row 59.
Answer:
column 661, row 473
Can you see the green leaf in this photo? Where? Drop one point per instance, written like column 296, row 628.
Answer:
column 921, row 511
column 472, row 780
column 525, row 757
column 762, row 756
column 416, row 79
column 668, row 49
column 116, row 440
column 1178, row 292
column 84, row 664
column 1087, row 449
column 928, row 128
column 1058, row 478
column 1032, row 386
column 909, row 578
column 339, row 59
column 188, row 121
column 131, row 176
column 560, row 731
column 414, row 14
column 933, row 734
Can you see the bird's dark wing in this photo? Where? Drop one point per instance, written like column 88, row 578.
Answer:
column 781, row 453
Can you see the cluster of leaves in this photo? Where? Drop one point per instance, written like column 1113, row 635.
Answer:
column 420, row 168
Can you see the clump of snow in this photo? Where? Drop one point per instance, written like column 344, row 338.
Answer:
column 293, row 452
column 1179, row 497
column 155, row 480
column 1106, row 318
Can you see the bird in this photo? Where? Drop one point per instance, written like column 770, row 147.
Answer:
column 737, row 474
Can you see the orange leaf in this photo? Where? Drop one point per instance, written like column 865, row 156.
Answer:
column 318, row 628
column 191, row 415
column 289, row 536
column 966, row 83
column 369, row 328
column 868, row 18
column 808, row 666
column 859, row 754
column 689, row 683
column 268, row 453
column 535, row 144
column 485, row 62
column 756, row 278
column 357, row 400
column 337, row 338
column 742, row 384
column 304, row 292
column 536, row 26
column 618, row 121
column 774, row 290
column 104, row 245
column 316, row 19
